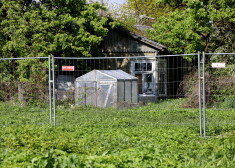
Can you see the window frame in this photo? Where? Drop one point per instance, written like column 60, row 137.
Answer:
column 144, row 73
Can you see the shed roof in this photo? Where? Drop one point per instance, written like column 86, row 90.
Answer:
column 103, row 75
column 117, row 74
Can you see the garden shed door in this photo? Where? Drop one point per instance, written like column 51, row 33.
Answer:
column 107, row 94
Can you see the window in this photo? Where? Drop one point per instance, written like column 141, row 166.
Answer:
column 143, row 67
column 143, row 70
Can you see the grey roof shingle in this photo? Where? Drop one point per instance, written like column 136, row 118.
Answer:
column 146, row 40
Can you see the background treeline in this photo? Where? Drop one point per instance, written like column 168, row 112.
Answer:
column 39, row 28
column 185, row 26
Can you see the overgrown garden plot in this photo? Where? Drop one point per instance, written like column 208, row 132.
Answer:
column 17, row 114
column 154, row 135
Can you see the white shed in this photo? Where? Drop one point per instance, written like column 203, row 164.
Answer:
column 106, row 88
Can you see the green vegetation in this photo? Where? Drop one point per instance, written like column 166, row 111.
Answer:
column 30, row 28
column 196, row 25
column 154, row 135
column 219, row 84
column 60, row 28
column 184, row 26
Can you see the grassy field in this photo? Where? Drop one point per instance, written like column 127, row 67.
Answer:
column 154, row 135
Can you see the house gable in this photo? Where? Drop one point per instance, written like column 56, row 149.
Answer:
column 121, row 42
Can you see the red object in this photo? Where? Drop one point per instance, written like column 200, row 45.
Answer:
column 67, row 68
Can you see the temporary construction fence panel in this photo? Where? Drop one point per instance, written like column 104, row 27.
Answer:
column 106, row 88
column 217, row 92
column 65, row 87
column 206, row 83
column 157, row 77
column 25, row 92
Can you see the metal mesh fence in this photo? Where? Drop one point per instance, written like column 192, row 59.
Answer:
column 100, row 91
column 24, row 94
column 121, row 91
column 219, row 92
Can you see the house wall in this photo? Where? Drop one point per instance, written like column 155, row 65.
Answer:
column 177, row 68
column 118, row 43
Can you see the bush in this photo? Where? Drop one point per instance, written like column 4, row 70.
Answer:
column 189, row 88
column 220, row 90
column 24, row 92
column 7, row 91
column 230, row 102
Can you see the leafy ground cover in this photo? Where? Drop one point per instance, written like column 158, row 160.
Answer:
column 154, row 135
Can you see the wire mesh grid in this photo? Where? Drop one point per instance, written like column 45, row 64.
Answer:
column 24, row 94
column 219, row 91
column 161, row 88
column 119, row 91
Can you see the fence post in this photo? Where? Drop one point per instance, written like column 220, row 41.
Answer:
column 54, row 97
column 199, row 93
column 204, row 95
column 49, row 83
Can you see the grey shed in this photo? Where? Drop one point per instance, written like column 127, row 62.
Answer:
column 106, row 88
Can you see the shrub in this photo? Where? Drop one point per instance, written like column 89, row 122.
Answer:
column 189, row 88
column 219, row 90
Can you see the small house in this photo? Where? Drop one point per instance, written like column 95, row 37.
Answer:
column 151, row 72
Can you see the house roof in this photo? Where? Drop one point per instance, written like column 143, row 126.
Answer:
column 144, row 40
column 142, row 28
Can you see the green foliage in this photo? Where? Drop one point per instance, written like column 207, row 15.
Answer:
column 222, row 81
column 223, row 90
column 61, row 28
column 219, row 86
column 154, row 135
column 32, row 70
column 229, row 102
column 154, row 8
column 172, row 32
column 198, row 26
column 30, row 28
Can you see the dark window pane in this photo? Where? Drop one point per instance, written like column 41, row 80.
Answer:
column 144, row 66
column 139, row 76
column 137, row 67
column 149, row 78
column 149, row 66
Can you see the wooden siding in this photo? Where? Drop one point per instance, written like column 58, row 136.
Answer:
column 119, row 43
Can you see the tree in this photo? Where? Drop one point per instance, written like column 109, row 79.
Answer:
column 61, row 28
column 202, row 25
column 30, row 28
column 39, row 28
column 148, row 10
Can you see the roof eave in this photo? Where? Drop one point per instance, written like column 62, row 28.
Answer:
column 147, row 41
